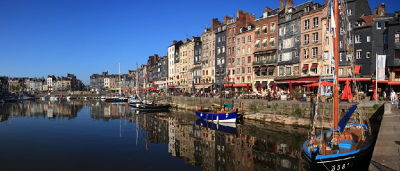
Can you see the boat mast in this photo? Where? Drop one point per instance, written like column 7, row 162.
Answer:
column 119, row 75
column 336, row 58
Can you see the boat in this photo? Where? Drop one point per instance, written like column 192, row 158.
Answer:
column 224, row 127
column 153, row 107
column 226, row 114
column 348, row 145
column 133, row 101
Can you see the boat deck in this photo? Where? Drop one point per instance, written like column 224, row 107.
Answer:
column 386, row 154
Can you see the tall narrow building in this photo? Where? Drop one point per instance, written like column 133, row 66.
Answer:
column 265, row 55
column 220, row 53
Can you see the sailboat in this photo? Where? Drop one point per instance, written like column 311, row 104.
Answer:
column 347, row 146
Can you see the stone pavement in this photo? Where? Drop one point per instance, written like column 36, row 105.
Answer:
column 387, row 149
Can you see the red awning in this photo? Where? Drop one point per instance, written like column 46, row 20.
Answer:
column 314, row 65
column 171, row 87
column 396, row 69
column 322, row 83
column 303, row 80
column 357, row 69
column 394, row 82
column 355, row 79
column 382, row 81
column 242, row 85
column 305, row 67
column 228, row 85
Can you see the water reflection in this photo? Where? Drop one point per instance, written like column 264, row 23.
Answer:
column 40, row 109
column 253, row 146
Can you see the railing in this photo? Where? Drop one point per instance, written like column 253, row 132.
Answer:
column 264, row 62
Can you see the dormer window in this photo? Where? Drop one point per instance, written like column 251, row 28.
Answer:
column 290, row 10
column 249, row 27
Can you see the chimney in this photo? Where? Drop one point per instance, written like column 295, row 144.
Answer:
column 215, row 23
column 226, row 19
column 266, row 12
column 380, row 10
column 281, row 4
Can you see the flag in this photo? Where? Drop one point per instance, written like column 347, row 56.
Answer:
column 380, row 67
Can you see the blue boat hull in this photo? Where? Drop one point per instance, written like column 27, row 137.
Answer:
column 223, row 117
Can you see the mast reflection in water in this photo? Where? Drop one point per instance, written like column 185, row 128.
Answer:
column 104, row 136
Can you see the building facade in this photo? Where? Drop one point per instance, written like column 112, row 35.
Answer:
column 265, row 55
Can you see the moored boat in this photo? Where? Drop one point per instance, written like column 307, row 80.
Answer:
column 153, row 107
column 226, row 114
column 348, row 145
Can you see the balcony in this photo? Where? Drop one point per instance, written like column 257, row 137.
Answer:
column 265, row 62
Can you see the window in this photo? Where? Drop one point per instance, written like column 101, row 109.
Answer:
column 378, row 25
column 272, row 41
column 243, row 61
column 248, row 69
column 264, row 29
column 315, row 35
column 358, row 54
column 315, row 52
column 249, row 39
column 243, row 40
column 306, row 24
column 272, row 27
column 306, row 53
column 249, row 59
column 368, row 38
column 340, row 71
column 264, row 43
column 341, row 44
column 223, row 49
column 306, row 39
column 243, row 70
column 349, row 12
column 315, row 22
column 397, row 37
column 258, row 43
column 357, row 39
column 288, row 70
column 258, row 30
column 341, row 56
column 281, row 71
column 368, row 55
column 314, row 69
column 218, row 50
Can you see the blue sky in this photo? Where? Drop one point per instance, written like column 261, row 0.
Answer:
column 42, row 37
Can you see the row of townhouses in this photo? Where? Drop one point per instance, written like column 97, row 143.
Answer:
column 51, row 83
column 285, row 48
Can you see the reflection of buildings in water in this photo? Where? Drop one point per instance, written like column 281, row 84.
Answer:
column 107, row 111
column 39, row 109
column 216, row 150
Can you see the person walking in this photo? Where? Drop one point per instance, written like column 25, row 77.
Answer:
column 392, row 94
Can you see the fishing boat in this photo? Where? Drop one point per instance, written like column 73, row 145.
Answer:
column 348, row 145
column 226, row 114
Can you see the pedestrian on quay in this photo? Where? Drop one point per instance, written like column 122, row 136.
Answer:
column 384, row 95
column 392, row 94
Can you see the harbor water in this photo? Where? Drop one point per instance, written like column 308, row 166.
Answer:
column 92, row 135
